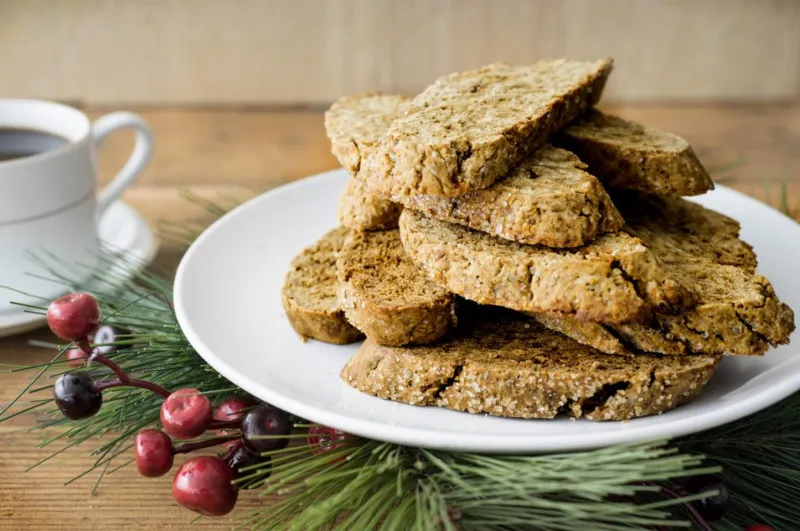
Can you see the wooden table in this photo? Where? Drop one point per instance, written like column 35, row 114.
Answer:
column 238, row 153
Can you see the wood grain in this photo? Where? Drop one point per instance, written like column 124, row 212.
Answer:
column 227, row 153
column 312, row 51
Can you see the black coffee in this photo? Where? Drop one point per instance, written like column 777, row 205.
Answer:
column 18, row 143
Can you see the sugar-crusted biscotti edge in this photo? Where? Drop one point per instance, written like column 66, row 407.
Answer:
column 359, row 210
column 386, row 297
column 357, row 123
column 523, row 381
column 309, row 293
column 624, row 154
column 469, row 129
column 546, row 200
column 614, row 279
column 737, row 309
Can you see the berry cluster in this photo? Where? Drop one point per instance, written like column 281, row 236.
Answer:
column 243, row 427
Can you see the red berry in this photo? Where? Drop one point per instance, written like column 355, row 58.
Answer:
column 76, row 357
column 153, row 453
column 324, row 439
column 74, row 316
column 203, row 484
column 231, row 409
column 186, row 414
column 760, row 527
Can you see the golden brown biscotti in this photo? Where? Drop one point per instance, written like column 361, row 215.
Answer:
column 513, row 367
column 546, row 200
column 614, row 279
column 359, row 210
column 469, row 129
column 737, row 311
column 676, row 229
column 625, row 154
column 357, row 124
column 384, row 295
column 309, row 293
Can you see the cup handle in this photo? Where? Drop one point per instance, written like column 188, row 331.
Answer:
column 142, row 151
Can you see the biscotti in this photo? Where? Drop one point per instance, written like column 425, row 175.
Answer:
column 614, row 279
column 624, row 154
column 359, row 210
column 737, row 310
column 469, row 129
column 385, row 296
column 547, row 200
column 357, row 124
column 513, row 367
column 309, row 293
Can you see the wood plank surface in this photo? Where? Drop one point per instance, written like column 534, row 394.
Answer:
column 237, row 153
column 311, row 51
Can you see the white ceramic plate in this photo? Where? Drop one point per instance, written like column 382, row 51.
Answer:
column 227, row 298
column 122, row 229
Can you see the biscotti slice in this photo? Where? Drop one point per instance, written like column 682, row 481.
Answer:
column 384, row 295
column 309, row 293
column 613, row 279
column 357, row 124
column 512, row 367
column 547, row 200
column 737, row 310
column 677, row 229
column 467, row 130
column 359, row 210
column 625, row 154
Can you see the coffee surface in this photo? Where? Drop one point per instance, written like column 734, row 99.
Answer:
column 16, row 143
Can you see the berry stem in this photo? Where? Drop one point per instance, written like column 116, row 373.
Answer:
column 222, row 424
column 696, row 516
column 142, row 384
column 116, row 369
column 199, row 445
column 94, row 355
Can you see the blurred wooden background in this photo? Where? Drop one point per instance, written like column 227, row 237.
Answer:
column 309, row 52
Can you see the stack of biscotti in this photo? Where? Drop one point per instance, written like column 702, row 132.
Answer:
column 586, row 285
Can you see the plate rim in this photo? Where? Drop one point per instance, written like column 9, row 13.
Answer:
column 478, row 442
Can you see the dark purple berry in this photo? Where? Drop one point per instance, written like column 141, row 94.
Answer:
column 76, row 396
column 73, row 317
column 714, row 507
column 266, row 421
column 203, row 484
column 104, row 335
column 243, row 457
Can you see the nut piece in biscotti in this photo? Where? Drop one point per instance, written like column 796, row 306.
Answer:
column 384, row 295
column 359, row 210
column 624, row 154
column 547, row 200
column 309, row 293
column 614, row 279
column 512, row 367
column 357, row 124
column 469, row 129
column 737, row 310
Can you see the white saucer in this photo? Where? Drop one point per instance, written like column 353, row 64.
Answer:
column 227, row 299
column 121, row 229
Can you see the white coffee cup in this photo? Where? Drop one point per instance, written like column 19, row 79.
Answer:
column 49, row 201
